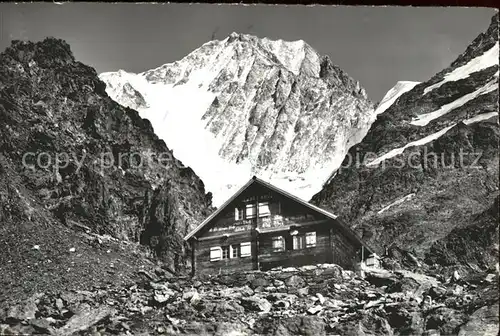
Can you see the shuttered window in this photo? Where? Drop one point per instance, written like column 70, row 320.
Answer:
column 238, row 214
column 307, row 240
column 264, row 209
column 245, row 250
column 215, row 253
column 251, row 211
column 310, row 239
column 278, row 244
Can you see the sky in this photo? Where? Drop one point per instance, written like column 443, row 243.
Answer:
column 377, row 46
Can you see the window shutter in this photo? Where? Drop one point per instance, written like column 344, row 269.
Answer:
column 250, row 211
column 236, row 214
column 278, row 244
column 246, row 249
column 310, row 239
column 215, row 253
column 264, row 209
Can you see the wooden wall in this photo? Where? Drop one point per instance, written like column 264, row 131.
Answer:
column 283, row 212
column 344, row 251
column 315, row 255
column 202, row 261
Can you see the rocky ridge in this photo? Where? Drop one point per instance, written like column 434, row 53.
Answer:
column 424, row 180
column 72, row 158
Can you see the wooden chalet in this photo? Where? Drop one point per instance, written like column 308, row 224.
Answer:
column 262, row 227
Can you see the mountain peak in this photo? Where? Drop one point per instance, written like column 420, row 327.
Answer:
column 46, row 53
column 260, row 104
column 289, row 53
column 234, row 36
column 265, row 40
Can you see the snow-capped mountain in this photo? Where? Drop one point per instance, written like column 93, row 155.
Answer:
column 248, row 106
column 429, row 163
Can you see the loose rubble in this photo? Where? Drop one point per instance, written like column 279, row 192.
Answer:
column 318, row 300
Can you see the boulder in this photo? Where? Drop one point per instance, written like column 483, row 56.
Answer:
column 84, row 320
column 42, row 325
column 295, row 281
column 301, row 291
column 255, row 303
column 278, row 283
column 25, row 311
column 298, row 325
column 436, row 292
column 380, row 277
column 483, row 321
column 321, row 298
column 163, row 295
column 446, row 320
column 314, row 310
column 192, row 296
column 306, row 268
column 365, row 324
column 259, row 282
column 282, row 304
column 404, row 285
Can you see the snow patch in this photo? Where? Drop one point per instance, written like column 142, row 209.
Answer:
column 400, row 150
column 393, row 94
column 429, row 138
column 480, row 117
column 424, row 119
column 486, row 60
column 399, row 201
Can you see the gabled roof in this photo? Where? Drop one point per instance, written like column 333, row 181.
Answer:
column 253, row 180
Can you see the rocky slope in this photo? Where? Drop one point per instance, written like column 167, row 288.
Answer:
column 275, row 109
column 73, row 159
column 425, row 177
column 312, row 300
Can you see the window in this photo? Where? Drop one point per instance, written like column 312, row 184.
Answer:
column 298, row 242
column 235, row 251
column 278, row 244
column 264, row 209
column 301, row 241
column 230, row 251
column 215, row 253
column 310, row 239
column 238, row 214
column 245, row 250
column 251, row 210
column 225, row 252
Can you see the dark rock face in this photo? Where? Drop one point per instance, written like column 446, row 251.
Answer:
column 434, row 194
column 70, row 155
column 473, row 245
column 336, row 77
